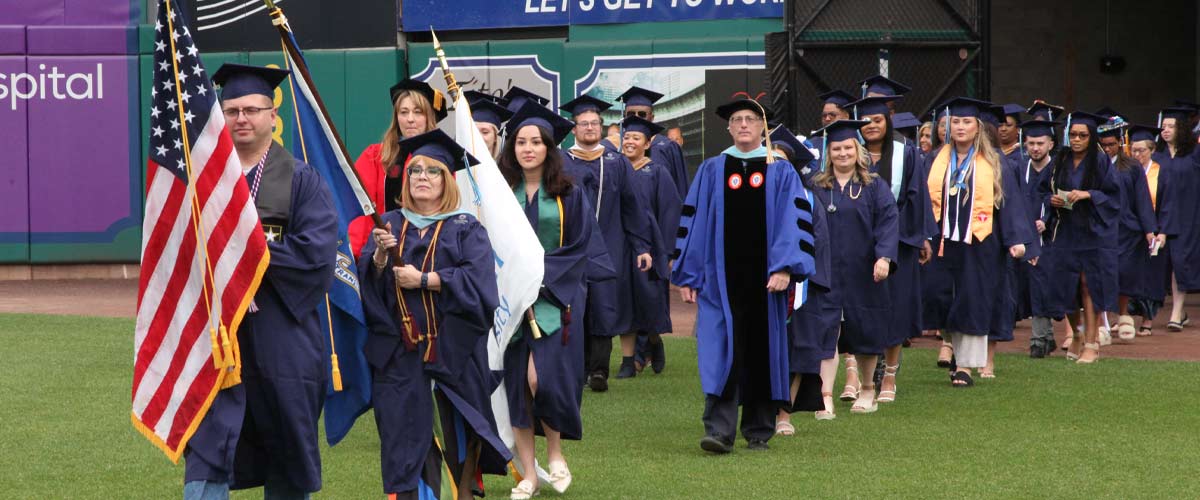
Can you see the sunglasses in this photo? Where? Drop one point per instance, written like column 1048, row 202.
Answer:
column 639, row 113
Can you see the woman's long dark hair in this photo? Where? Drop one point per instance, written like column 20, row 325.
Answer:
column 1185, row 140
column 555, row 181
column 1124, row 162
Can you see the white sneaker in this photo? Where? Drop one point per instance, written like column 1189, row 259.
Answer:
column 1105, row 336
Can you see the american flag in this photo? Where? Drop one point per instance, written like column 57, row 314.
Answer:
column 203, row 249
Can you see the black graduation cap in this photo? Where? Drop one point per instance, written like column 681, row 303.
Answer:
column 239, row 80
column 880, row 84
column 728, row 109
column 838, row 98
column 1045, row 111
column 583, row 104
column 637, row 96
column 1179, row 113
column 796, row 152
column 439, row 146
column 488, row 111
column 905, row 121
column 1037, row 128
column 639, row 124
column 994, row 115
column 1013, row 110
column 1092, row 121
column 474, row 96
column 964, row 107
column 840, row 130
column 434, row 96
column 1108, row 112
column 932, row 115
column 532, row 113
column 868, row 106
column 1143, row 133
column 517, row 97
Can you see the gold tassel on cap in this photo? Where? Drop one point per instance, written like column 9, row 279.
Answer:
column 766, row 132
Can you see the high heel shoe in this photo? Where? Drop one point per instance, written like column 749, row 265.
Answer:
column 1086, row 347
column 888, row 396
column 850, row 392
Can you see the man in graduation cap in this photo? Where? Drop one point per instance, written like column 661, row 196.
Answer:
column 639, row 102
column 1032, row 283
column 744, row 238
column 517, row 97
column 833, row 108
column 606, row 179
column 1111, row 133
column 263, row 432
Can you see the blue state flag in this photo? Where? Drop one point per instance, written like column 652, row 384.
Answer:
column 315, row 142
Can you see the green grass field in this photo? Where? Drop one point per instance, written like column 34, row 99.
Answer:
column 1044, row 429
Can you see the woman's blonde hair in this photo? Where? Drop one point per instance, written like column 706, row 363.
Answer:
column 391, row 139
column 984, row 147
column 862, row 172
column 450, row 194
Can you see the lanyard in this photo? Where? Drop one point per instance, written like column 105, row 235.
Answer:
column 258, row 176
column 961, row 169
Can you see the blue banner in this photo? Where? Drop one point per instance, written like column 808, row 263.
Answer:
column 419, row 15
column 342, row 312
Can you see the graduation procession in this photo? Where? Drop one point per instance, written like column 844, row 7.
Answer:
column 438, row 250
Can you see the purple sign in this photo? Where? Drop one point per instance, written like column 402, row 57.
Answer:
column 69, row 12
column 14, row 171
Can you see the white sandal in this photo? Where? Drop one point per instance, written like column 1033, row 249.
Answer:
column 560, row 476
column 525, row 490
column 849, row 392
column 1125, row 328
column 888, row 396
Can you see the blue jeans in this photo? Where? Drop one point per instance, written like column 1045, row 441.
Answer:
column 276, row 489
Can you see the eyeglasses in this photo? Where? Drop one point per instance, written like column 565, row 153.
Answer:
column 430, row 172
column 249, row 111
column 745, row 119
column 639, row 113
column 588, row 124
column 1080, row 135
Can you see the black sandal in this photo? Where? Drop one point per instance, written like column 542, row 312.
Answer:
column 963, row 377
column 1145, row 331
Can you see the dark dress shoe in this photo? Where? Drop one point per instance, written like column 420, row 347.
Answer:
column 598, row 382
column 713, row 444
column 757, row 445
column 1037, row 351
column 659, row 359
column 628, row 370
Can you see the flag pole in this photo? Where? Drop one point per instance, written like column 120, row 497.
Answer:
column 301, row 67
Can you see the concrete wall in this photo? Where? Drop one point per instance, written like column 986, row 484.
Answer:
column 1051, row 50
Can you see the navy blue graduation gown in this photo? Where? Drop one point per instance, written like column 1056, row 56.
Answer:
column 1084, row 239
column 1136, row 218
column 723, row 332
column 1031, row 283
column 809, row 346
column 454, row 363
column 863, row 228
column 626, row 233
column 1184, row 243
column 557, row 357
column 1156, row 280
column 651, row 302
column 268, row 424
column 971, row 302
column 669, row 155
column 1007, row 309
column 916, row 226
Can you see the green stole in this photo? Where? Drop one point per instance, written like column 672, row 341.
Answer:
column 549, row 232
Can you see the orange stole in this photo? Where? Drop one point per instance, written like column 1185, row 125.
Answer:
column 1152, row 183
column 983, row 197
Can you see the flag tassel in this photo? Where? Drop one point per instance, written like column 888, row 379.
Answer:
column 337, row 373
column 218, row 359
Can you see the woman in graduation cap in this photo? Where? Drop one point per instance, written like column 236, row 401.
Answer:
column 1083, row 227
column 656, row 190
column 899, row 168
column 429, row 315
column 1155, row 276
column 416, row 109
column 745, row 226
column 489, row 114
column 1176, row 153
column 854, row 315
column 976, row 202
column 606, row 178
column 544, row 361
